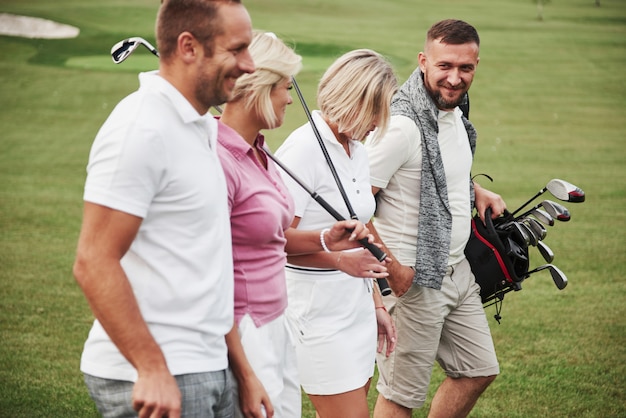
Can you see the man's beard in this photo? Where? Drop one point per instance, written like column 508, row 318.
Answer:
column 442, row 102
column 210, row 92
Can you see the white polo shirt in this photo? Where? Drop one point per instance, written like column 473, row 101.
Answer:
column 396, row 168
column 155, row 157
column 301, row 152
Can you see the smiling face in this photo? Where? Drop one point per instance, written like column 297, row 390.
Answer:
column 280, row 96
column 448, row 71
column 218, row 73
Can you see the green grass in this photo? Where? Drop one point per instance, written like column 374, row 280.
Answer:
column 548, row 102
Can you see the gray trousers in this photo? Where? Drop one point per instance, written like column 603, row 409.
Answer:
column 204, row 395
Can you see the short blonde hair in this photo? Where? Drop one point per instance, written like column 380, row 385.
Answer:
column 275, row 62
column 355, row 92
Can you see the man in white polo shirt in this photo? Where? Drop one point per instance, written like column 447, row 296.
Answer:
column 421, row 176
column 154, row 256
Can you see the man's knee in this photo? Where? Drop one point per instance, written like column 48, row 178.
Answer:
column 388, row 408
column 479, row 384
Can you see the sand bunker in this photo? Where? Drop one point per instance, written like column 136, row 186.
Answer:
column 34, row 27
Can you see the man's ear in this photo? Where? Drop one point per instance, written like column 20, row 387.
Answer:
column 421, row 59
column 188, row 46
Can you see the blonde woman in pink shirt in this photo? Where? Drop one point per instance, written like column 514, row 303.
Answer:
column 262, row 355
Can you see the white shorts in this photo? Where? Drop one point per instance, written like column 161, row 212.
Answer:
column 334, row 323
column 270, row 351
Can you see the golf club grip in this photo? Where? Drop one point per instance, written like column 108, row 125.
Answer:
column 376, row 252
column 383, row 286
column 380, row 256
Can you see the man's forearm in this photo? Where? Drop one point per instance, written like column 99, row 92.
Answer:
column 397, row 272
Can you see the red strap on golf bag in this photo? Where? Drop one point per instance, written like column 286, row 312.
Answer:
column 487, row 243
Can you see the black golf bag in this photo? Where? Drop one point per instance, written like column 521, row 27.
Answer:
column 498, row 256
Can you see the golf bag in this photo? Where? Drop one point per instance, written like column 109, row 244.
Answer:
column 497, row 255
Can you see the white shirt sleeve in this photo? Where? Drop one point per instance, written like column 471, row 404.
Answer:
column 386, row 155
column 125, row 166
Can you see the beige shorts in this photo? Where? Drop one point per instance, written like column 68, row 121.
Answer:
column 447, row 325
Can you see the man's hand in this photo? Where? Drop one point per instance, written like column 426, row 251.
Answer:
column 156, row 395
column 401, row 279
column 486, row 199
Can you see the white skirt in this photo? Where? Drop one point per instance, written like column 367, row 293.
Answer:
column 334, row 324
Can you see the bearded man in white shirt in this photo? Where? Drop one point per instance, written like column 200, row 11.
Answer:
column 421, row 176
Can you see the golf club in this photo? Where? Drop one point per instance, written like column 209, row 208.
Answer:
column 329, row 161
column 566, row 191
column 518, row 230
column 532, row 238
column 121, row 50
column 537, row 228
column 545, row 251
column 560, row 189
column 557, row 275
column 555, row 210
column 543, row 216
column 382, row 283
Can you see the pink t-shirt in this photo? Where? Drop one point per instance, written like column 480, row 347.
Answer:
column 261, row 208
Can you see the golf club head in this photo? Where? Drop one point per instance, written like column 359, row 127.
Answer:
column 558, row 277
column 565, row 191
column 560, row 189
column 545, row 251
column 537, row 228
column 556, row 210
column 122, row 50
column 532, row 238
column 520, row 232
column 543, row 216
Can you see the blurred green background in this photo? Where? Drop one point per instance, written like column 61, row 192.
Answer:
column 548, row 101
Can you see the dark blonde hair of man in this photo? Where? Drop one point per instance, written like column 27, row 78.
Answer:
column 195, row 16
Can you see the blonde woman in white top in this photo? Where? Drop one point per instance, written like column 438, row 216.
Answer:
column 332, row 306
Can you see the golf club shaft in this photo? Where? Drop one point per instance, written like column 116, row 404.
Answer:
column 528, row 212
column 329, row 161
column 539, row 193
